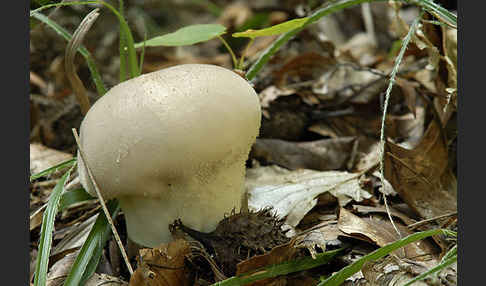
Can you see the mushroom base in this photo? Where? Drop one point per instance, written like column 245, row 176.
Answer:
column 199, row 206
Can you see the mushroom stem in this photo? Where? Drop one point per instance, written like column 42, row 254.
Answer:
column 148, row 217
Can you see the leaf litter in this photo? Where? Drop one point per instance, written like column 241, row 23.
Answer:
column 315, row 161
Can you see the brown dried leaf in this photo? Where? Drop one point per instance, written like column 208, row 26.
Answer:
column 162, row 266
column 36, row 218
column 421, row 176
column 395, row 213
column 277, row 255
column 361, row 48
column 306, row 66
column 235, row 14
column 322, row 155
column 409, row 92
column 320, row 235
column 381, row 233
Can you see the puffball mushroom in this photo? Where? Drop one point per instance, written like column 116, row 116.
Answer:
column 171, row 144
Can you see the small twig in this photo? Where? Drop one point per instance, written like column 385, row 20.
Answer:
column 393, row 74
column 71, row 49
column 102, row 202
column 422, row 222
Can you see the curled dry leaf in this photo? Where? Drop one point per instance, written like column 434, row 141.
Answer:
column 422, row 176
column 382, row 210
column 321, row 235
column 162, row 266
column 292, row 194
column 322, row 155
column 381, row 233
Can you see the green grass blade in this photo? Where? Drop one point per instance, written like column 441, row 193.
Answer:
column 450, row 253
column 436, row 10
column 100, row 87
column 122, row 43
column 127, row 48
column 433, row 270
column 73, row 197
column 90, row 253
column 47, row 228
column 280, row 269
column 349, row 270
column 186, row 36
column 333, row 7
column 53, row 169
column 284, row 38
column 273, row 30
column 32, row 12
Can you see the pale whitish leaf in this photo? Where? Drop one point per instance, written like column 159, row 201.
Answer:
column 46, row 161
column 186, row 36
column 294, row 193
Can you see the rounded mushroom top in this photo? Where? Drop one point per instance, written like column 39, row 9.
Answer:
column 165, row 126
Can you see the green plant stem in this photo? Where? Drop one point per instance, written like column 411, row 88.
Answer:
column 393, row 74
column 233, row 57
column 242, row 58
column 142, row 54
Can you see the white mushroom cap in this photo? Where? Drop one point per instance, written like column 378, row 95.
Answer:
column 172, row 144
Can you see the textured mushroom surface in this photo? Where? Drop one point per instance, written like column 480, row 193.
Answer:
column 172, row 144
